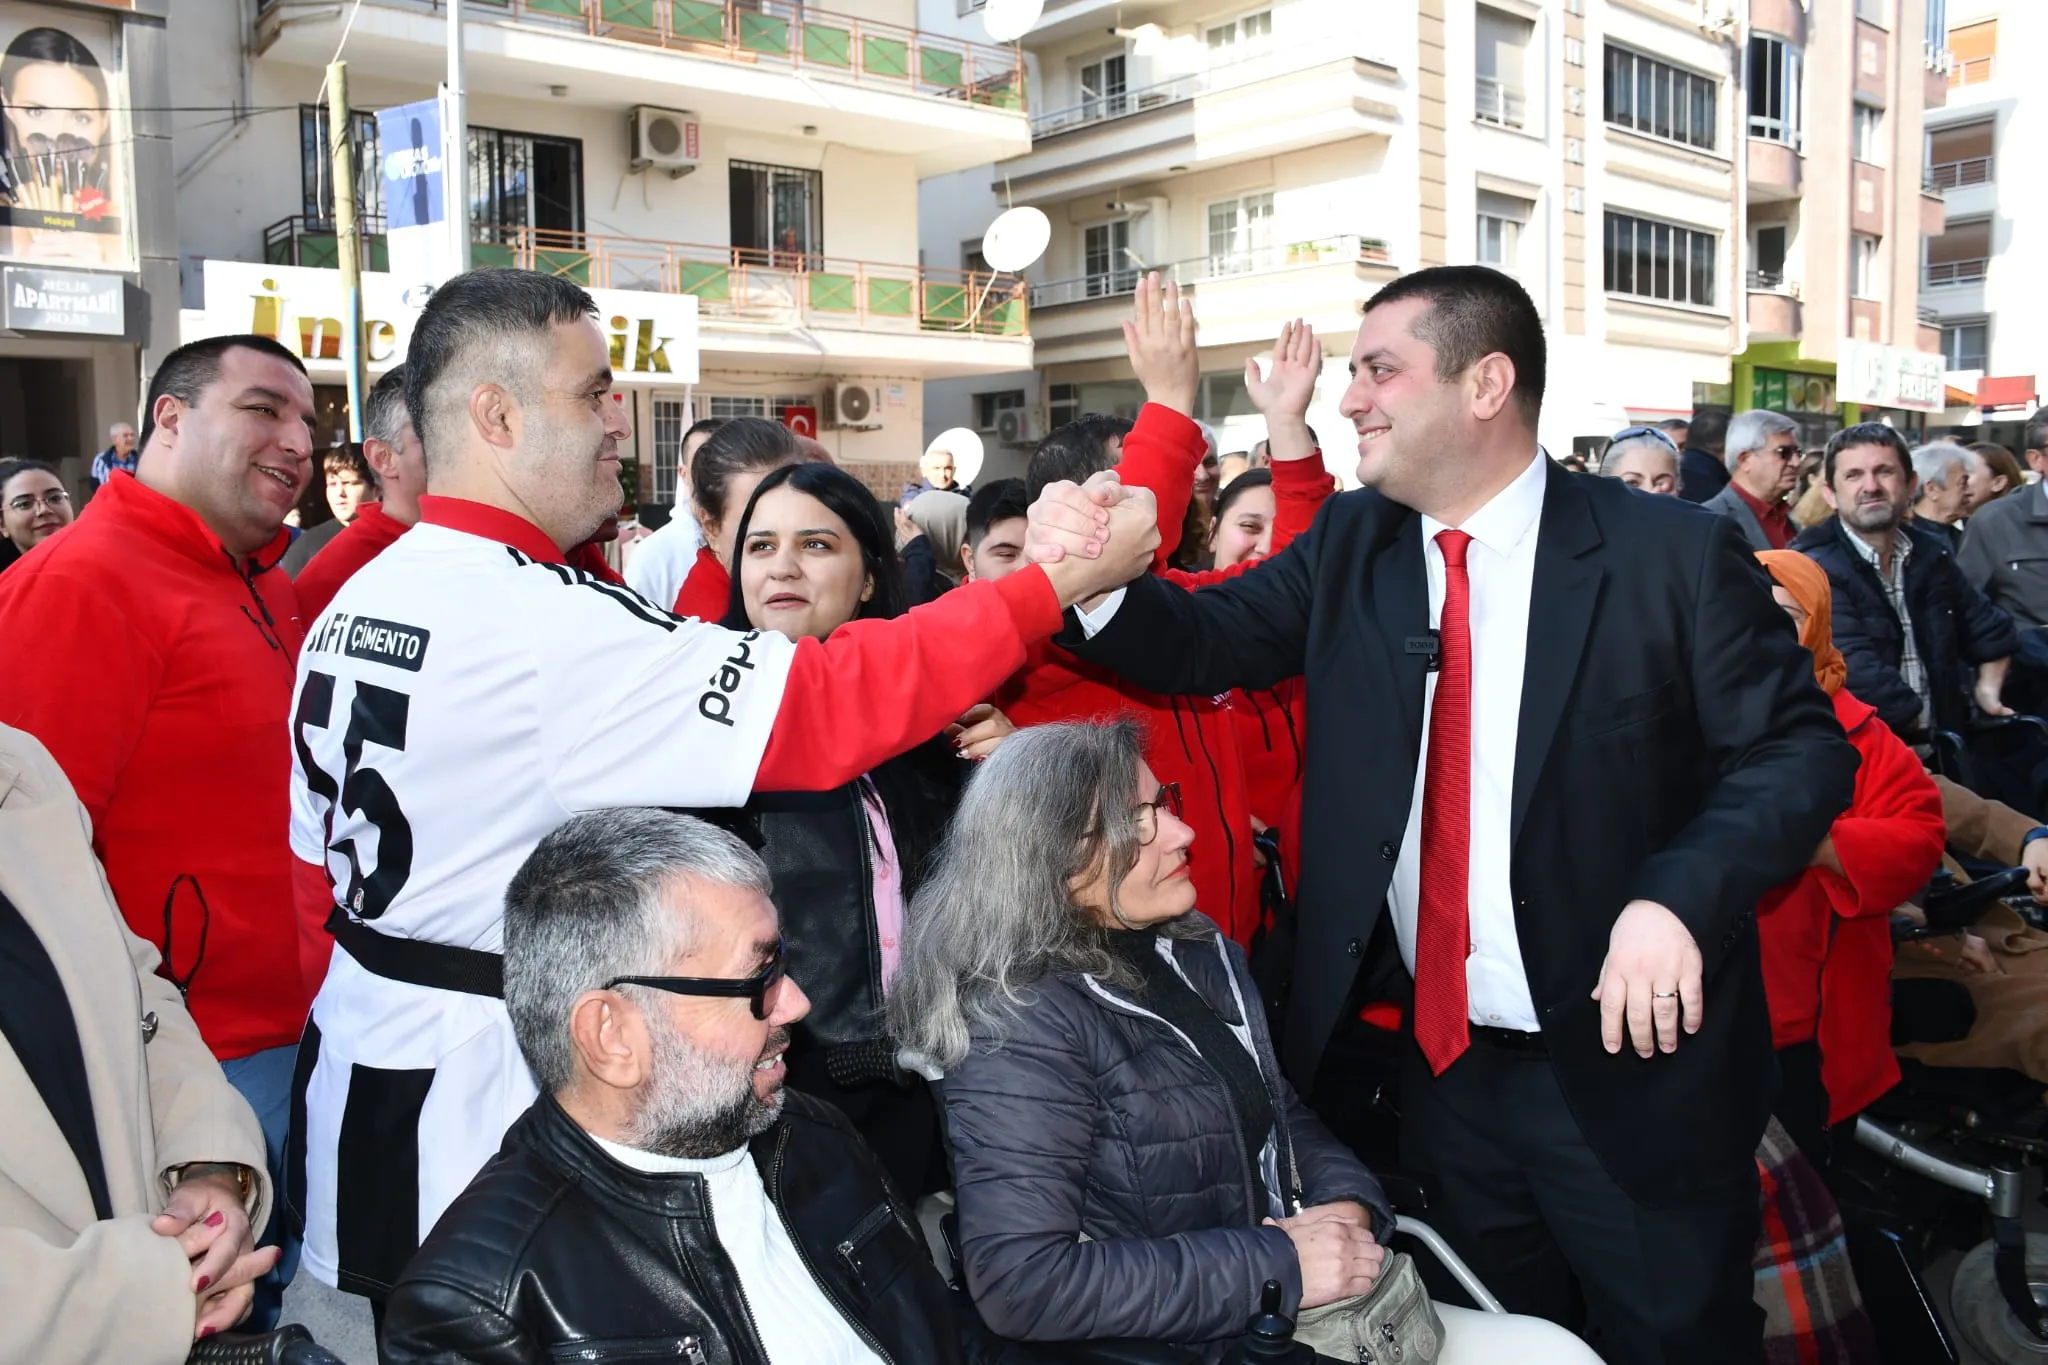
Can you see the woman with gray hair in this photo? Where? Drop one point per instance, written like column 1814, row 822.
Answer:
column 1128, row 1159
column 1644, row 458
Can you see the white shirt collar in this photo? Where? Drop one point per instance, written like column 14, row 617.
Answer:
column 654, row 1163
column 1507, row 516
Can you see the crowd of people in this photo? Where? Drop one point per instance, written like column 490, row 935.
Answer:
column 567, row 962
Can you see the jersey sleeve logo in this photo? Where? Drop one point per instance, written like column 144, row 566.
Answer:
column 372, row 640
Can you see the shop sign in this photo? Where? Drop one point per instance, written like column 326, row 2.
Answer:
column 653, row 337
column 1889, row 377
column 39, row 300
column 1792, row 391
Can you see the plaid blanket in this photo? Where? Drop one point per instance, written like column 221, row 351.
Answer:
column 1813, row 1314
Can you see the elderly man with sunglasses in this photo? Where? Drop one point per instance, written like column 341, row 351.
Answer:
column 665, row 1198
column 1763, row 466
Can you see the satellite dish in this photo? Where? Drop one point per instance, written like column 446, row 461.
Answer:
column 1016, row 239
column 1009, row 20
column 964, row 445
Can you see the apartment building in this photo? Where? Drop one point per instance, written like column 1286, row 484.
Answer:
column 1643, row 166
column 736, row 182
column 1995, row 216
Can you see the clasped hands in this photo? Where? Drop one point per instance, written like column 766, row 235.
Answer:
column 205, row 1216
column 1339, row 1256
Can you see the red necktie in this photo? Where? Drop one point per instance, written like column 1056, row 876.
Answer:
column 1443, row 924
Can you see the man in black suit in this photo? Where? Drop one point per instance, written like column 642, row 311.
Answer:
column 1563, row 737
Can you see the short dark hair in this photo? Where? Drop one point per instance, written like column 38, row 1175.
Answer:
column 348, row 457
column 1475, row 311
column 703, row 426
column 742, row 443
column 1237, row 488
column 2035, row 433
column 384, row 415
column 478, row 313
column 853, row 503
column 1074, row 452
column 10, row 468
column 996, row 500
column 1668, row 425
column 1865, row 434
column 190, row 370
column 1708, row 430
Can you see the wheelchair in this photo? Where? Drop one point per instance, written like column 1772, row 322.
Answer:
column 288, row 1345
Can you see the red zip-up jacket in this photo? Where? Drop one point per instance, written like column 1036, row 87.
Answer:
column 157, row 668
column 1826, row 938
column 706, row 590
column 361, row 541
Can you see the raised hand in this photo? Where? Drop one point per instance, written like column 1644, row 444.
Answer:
column 1071, row 519
column 1093, row 567
column 1283, row 394
column 1160, row 337
column 1651, row 978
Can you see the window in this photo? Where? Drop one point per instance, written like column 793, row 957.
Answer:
column 1062, row 405
column 1960, row 155
column 1773, row 89
column 989, row 407
column 1767, row 254
column 1501, row 60
column 1661, row 100
column 1106, row 259
column 1246, row 36
column 1966, row 345
column 1575, row 51
column 754, row 405
column 1240, row 234
column 1865, row 282
column 1223, row 396
column 519, row 181
column 1961, row 254
column 1866, row 133
column 1873, row 12
column 1574, row 199
column 1975, row 47
column 1102, row 87
column 1501, row 219
column 777, row 215
column 1652, row 260
column 316, row 172
column 1113, row 398
column 669, row 427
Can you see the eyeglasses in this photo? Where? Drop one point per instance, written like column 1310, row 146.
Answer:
column 753, row 988
column 1784, row 452
column 1148, row 811
column 28, row 502
column 1655, row 433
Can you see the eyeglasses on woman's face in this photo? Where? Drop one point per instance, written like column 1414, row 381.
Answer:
column 28, row 502
column 755, row 989
column 1147, row 812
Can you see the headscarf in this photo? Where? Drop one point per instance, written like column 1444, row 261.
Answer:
column 942, row 517
column 1808, row 584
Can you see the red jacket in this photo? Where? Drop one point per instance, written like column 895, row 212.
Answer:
column 158, row 669
column 1826, row 939
column 707, row 589
column 361, row 541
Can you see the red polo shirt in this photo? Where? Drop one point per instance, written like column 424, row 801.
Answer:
column 1773, row 517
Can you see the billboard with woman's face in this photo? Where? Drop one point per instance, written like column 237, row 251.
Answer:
column 66, row 196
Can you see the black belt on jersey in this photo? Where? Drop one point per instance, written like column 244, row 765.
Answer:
column 434, row 965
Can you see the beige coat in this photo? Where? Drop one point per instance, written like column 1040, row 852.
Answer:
column 73, row 1288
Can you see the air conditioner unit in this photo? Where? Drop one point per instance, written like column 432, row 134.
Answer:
column 857, row 407
column 663, row 138
column 1019, row 427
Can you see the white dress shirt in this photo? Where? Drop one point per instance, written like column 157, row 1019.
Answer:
column 1501, row 565
column 660, row 561
column 797, row 1324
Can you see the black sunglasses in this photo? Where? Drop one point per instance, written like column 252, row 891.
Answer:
column 754, row 988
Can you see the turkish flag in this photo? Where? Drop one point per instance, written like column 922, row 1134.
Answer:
column 802, row 421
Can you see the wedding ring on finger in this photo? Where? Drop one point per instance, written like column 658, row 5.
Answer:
column 1663, row 995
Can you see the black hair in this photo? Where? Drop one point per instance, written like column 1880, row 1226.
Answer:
column 10, row 468
column 1074, row 452
column 191, row 369
column 348, row 457
column 1474, row 312
column 1236, row 488
column 1708, row 430
column 1670, row 424
column 481, row 310
column 2035, row 433
column 1865, row 434
column 997, row 500
column 851, row 501
column 703, row 426
column 735, row 446
column 384, row 415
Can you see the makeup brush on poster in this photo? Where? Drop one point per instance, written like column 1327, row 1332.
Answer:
column 84, row 175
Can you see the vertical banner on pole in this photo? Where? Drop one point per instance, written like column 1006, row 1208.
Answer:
column 415, row 198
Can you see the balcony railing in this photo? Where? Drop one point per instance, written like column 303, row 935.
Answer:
column 1114, row 104
column 1773, row 282
column 1957, row 272
column 1261, row 260
column 1949, row 175
column 766, row 33
column 1500, row 104
column 739, row 286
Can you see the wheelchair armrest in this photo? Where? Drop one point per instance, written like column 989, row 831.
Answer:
column 1987, row 724
column 290, row 1344
column 1945, row 752
column 1957, row 907
column 1404, row 1193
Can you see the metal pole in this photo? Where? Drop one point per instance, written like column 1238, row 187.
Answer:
column 455, row 147
column 343, row 159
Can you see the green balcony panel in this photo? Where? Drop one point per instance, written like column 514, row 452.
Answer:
column 710, row 282
column 379, row 254
column 885, row 57
column 764, row 33
column 825, row 46
column 833, row 293
column 319, row 250
column 698, row 21
column 1003, row 319
column 572, row 9
column 939, row 67
column 891, row 298
column 491, row 255
column 630, row 13
column 277, row 251
column 566, row 262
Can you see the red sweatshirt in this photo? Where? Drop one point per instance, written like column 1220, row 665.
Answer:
column 361, row 541
column 1826, row 939
column 158, row 669
column 707, row 590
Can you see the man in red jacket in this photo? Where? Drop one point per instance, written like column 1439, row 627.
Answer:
column 165, row 642
column 393, row 450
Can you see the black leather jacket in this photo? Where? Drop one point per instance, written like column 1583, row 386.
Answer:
column 557, row 1252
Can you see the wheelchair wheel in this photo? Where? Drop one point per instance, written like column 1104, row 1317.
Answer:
column 1980, row 1311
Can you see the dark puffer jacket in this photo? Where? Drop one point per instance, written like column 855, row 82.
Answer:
column 1102, row 1181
